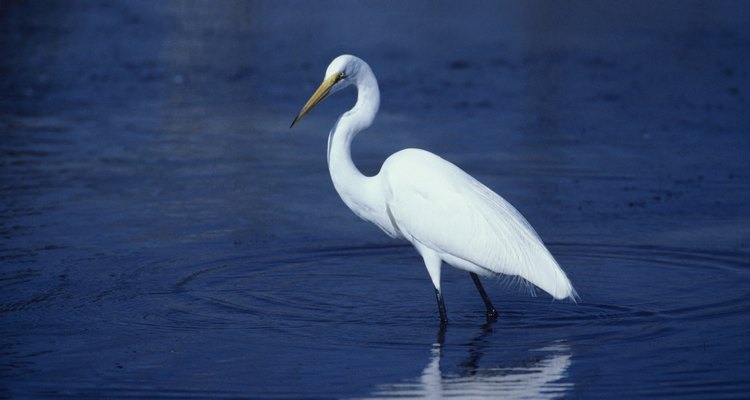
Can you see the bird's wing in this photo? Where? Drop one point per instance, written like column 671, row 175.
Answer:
column 434, row 202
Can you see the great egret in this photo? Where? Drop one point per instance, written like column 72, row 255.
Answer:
column 445, row 213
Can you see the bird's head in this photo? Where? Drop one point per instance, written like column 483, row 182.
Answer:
column 342, row 72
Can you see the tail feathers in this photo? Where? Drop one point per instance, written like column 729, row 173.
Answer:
column 555, row 282
column 546, row 274
column 516, row 248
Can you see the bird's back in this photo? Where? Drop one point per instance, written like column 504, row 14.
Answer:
column 435, row 203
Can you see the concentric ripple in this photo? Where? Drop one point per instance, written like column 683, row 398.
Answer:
column 387, row 285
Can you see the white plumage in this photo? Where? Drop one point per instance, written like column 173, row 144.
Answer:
column 445, row 213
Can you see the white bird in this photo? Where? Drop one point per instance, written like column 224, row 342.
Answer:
column 445, row 213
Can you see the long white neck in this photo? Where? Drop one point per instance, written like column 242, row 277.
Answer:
column 357, row 190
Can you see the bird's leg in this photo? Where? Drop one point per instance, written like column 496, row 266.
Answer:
column 491, row 312
column 441, row 308
column 433, row 263
column 441, row 336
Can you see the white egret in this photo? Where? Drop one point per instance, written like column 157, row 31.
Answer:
column 445, row 213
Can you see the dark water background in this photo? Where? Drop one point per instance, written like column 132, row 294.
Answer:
column 165, row 235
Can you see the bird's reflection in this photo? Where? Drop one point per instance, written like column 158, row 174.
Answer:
column 538, row 379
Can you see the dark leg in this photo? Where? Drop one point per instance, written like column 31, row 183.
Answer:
column 491, row 312
column 441, row 308
column 441, row 335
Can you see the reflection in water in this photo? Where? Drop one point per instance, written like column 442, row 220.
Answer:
column 518, row 380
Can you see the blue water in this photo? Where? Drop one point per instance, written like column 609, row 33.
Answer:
column 165, row 235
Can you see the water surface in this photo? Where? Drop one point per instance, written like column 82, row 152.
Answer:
column 165, row 235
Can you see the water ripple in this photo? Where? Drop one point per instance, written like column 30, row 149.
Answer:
column 385, row 284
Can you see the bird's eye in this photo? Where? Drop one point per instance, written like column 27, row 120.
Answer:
column 339, row 77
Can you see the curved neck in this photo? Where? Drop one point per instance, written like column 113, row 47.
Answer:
column 349, row 182
column 359, row 118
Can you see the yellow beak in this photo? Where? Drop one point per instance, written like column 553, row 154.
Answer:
column 317, row 97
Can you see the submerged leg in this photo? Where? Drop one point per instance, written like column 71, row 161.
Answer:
column 433, row 263
column 441, row 308
column 491, row 312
